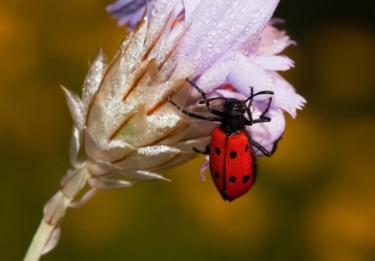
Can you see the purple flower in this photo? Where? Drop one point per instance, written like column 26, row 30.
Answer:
column 124, row 125
column 233, row 43
column 129, row 12
column 123, row 121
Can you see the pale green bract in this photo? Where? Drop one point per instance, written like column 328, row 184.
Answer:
column 124, row 126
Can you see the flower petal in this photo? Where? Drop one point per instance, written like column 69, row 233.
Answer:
column 215, row 75
column 268, row 132
column 285, row 96
column 273, row 41
column 190, row 6
column 245, row 74
column 203, row 169
column 274, row 62
column 215, row 29
column 163, row 15
column 127, row 11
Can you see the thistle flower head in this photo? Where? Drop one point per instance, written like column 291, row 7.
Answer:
column 123, row 121
column 228, row 48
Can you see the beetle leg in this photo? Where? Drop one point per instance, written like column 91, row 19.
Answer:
column 206, row 151
column 263, row 150
column 263, row 117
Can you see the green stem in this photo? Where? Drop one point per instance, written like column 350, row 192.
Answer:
column 47, row 235
column 40, row 240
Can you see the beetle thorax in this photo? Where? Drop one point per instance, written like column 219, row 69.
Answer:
column 234, row 116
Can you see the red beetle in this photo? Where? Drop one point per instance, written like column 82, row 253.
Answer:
column 232, row 160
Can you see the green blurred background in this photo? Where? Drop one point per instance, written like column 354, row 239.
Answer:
column 313, row 200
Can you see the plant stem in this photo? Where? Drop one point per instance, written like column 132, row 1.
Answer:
column 40, row 240
column 47, row 235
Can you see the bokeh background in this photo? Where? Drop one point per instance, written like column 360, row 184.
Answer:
column 313, row 200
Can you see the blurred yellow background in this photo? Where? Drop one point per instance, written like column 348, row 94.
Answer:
column 313, row 200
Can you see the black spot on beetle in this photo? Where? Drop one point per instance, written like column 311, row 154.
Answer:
column 246, row 178
column 232, row 179
column 233, row 154
column 217, row 175
column 217, row 151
